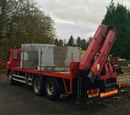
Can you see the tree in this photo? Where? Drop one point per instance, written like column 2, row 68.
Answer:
column 60, row 42
column 78, row 42
column 71, row 41
column 21, row 21
column 56, row 42
column 84, row 44
column 89, row 40
column 118, row 15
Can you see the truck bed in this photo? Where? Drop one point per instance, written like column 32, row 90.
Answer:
column 61, row 74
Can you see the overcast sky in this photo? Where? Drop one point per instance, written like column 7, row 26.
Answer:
column 76, row 17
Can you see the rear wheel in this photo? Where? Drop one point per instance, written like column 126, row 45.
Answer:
column 52, row 89
column 37, row 86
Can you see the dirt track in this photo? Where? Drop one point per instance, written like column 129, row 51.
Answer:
column 20, row 100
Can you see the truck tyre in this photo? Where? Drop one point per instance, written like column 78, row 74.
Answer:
column 52, row 89
column 11, row 81
column 37, row 86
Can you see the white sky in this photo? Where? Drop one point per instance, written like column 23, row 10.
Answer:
column 76, row 17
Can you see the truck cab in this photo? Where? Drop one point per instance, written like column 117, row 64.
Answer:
column 13, row 58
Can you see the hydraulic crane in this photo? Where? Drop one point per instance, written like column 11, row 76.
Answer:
column 93, row 76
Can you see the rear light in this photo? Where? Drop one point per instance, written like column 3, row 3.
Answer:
column 93, row 93
column 109, row 93
column 122, row 85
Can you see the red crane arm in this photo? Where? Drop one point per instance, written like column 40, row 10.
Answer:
column 93, row 47
column 102, row 56
column 97, row 52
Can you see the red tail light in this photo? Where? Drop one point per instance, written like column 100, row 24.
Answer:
column 93, row 93
column 122, row 85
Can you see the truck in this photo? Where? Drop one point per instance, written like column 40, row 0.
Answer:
column 90, row 77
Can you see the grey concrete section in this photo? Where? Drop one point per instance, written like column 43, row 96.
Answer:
column 63, row 55
column 29, row 64
column 73, row 54
column 29, row 59
column 57, row 58
column 29, row 55
column 48, row 57
column 53, row 69
column 33, row 47
column 60, row 56
column 45, row 56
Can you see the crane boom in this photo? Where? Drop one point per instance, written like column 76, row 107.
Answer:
column 98, row 51
column 93, row 47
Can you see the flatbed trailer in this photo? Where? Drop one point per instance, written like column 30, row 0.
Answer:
column 63, row 75
column 93, row 76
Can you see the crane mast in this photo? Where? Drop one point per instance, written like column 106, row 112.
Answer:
column 97, row 52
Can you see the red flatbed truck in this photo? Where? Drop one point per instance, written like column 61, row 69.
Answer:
column 93, row 76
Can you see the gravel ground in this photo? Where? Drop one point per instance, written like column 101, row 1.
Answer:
column 19, row 100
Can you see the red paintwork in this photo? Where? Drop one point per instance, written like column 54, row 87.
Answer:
column 98, row 51
column 93, row 47
column 108, row 72
column 103, row 53
column 11, row 63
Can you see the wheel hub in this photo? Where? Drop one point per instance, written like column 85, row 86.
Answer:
column 37, row 86
column 50, row 88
